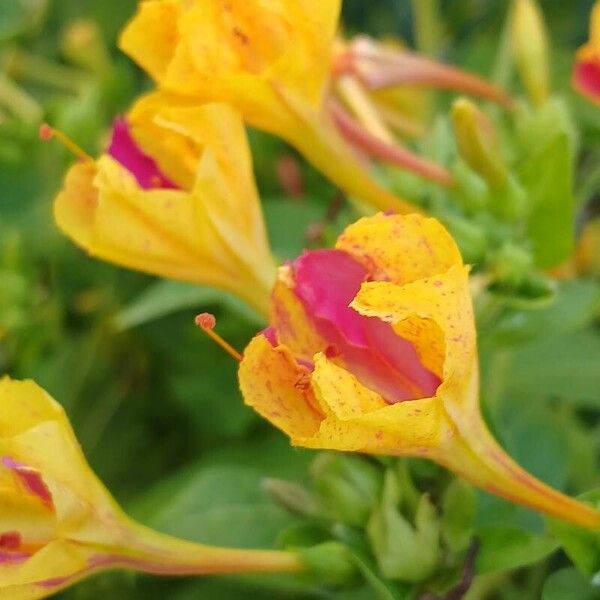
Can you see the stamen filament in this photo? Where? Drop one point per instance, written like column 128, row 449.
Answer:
column 207, row 323
column 394, row 154
column 356, row 98
column 47, row 133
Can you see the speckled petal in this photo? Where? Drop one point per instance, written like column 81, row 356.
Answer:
column 400, row 248
column 435, row 313
column 278, row 388
column 360, row 420
column 151, row 38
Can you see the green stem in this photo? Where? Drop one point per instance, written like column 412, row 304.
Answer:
column 427, row 26
column 503, row 62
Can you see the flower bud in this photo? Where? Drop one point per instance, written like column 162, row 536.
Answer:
column 476, row 140
column 404, row 550
column 83, row 45
column 530, row 47
column 347, row 487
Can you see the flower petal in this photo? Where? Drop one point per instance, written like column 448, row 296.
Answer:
column 24, row 406
column 290, row 321
column 586, row 72
column 436, row 314
column 360, row 420
column 400, row 248
column 278, row 388
column 151, row 37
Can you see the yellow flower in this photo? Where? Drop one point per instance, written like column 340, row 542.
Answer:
column 270, row 60
column 586, row 73
column 58, row 524
column 372, row 348
column 174, row 196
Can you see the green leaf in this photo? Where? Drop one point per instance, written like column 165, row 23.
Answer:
column 569, row 584
column 459, row 505
column 504, row 549
column 574, row 306
column 564, row 367
column 547, row 176
column 165, row 297
column 221, row 505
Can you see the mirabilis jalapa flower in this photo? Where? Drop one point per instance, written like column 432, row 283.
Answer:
column 372, row 348
column 174, row 195
column 586, row 72
column 280, row 65
column 58, row 524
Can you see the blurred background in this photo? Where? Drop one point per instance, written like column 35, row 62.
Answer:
column 154, row 403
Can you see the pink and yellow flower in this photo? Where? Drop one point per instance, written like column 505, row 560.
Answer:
column 59, row 524
column 174, row 195
column 271, row 61
column 586, row 72
column 372, row 348
column 280, row 65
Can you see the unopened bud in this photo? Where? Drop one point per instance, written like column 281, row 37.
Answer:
column 346, row 487
column 476, row 140
column 407, row 551
column 530, row 48
column 83, row 45
column 291, row 496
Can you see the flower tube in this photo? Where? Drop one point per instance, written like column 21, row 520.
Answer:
column 59, row 524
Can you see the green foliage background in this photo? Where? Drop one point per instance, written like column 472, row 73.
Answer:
column 155, row 404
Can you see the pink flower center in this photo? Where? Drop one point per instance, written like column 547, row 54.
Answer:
column 326, row 283
column 124, row 149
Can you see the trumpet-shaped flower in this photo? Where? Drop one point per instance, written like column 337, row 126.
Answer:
column 586, row 72
column 174, row 195
column 58, row 524
column 270, row 60
column 372, row 348
column 279, row 64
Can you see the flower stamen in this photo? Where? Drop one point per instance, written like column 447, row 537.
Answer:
column 48, row 132
column 207, row 322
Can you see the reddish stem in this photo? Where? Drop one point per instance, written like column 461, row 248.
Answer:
column 392, row 153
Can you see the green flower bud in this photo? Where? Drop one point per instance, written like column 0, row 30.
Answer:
column 83, row 45
column 530, row 48
column 346, row 487
column 291, row 496
column 477, row 144
column 404, row 551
